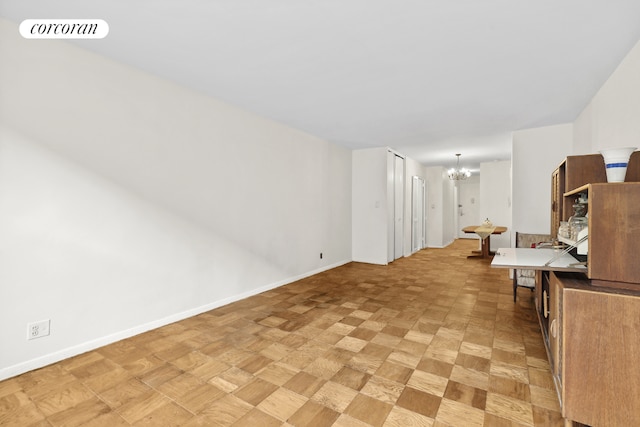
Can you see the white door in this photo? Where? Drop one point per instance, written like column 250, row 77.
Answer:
column 468, row 206
column 417, row 214
column 398, row 210
column 395, row 206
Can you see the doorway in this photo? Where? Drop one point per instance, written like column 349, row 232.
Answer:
column 418, row 235
column 395, row 191
column 468, row 206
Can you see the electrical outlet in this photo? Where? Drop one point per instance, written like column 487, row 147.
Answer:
column 38, row 329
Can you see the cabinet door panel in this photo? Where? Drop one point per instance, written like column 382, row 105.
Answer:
column 601, row 369
column 555, row 332
column 614, row 232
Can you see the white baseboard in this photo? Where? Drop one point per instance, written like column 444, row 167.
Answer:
column 75, row 350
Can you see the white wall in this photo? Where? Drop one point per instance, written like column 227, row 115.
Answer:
column 127, row 202
column 609, row 120
column 369, row 206
column 495, row 199
column 372, row 203
column 612, row 117
column 536, row 153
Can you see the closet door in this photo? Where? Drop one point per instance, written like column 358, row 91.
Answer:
column 417, row 214
column 398, row 210
column 395, row 206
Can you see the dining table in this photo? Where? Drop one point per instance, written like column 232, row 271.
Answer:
column 484, row 232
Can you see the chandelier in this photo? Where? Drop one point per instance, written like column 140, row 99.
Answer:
column 458, row 174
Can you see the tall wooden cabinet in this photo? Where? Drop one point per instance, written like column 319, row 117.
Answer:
column 591, row 322
column 593, row 345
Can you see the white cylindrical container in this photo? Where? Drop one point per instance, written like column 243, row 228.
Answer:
column 616, row 161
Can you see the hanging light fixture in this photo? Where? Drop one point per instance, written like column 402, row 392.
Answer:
column 457, row 174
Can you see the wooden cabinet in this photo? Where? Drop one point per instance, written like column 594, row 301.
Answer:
column 614, row 232
column 557, row 191
column 591, row 322
column 578, row 171
column 593, row 347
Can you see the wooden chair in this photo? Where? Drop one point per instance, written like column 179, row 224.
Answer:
column 526, row 278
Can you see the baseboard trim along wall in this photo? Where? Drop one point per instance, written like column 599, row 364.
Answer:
column 66, row 353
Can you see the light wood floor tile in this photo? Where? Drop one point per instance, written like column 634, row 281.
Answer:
column 63, row 398
column 507, row 370
column 541, row 378
column 544, row 417
column 452, row 412
column 18, row 410
column 368, row 409
column 224, row 411
column 509, row 387
column 446, row 355
column 429, row 340
column 428, row 382
column 277, row 374
column 334, row 396
column 112, row 419
column 405, row 359
column 234, row 376
column 436, row 367
column 400, row 417
column 313, row 414
column 476, row 350
column 256, row 391
column 345, row 420
column 383, row 389
column 107, row 380
column 256, row 417
column 81, row 414
column 143, row 405
column 473, row 362
column 351, row 378
column 9, row 387
column 323, row 368
column 166, row 416
column 304, row 384
column 470, row 377
column 282, row 404
column 544, row 398
column 177, row 387
column 510, row 408
column 199, row 397
column 122, row 393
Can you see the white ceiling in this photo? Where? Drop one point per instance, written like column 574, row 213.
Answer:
column 429, row 78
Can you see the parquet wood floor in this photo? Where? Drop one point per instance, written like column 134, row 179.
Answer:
column 430, row 340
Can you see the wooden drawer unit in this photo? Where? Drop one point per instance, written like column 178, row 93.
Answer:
column 594, row 343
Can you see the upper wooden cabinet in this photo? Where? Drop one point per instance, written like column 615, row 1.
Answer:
column 575, row 172
column 614, row 233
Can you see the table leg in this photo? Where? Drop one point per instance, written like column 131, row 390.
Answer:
column 485, row 249
column 486, row 244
